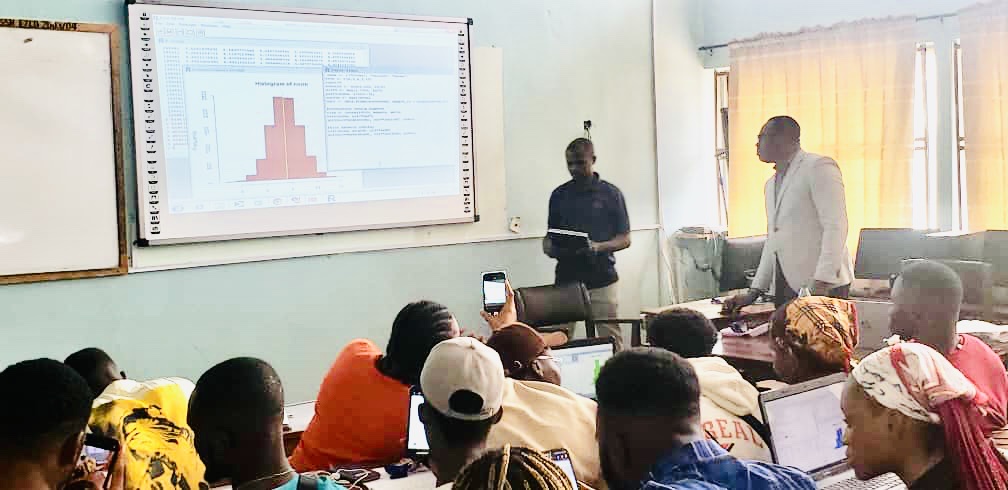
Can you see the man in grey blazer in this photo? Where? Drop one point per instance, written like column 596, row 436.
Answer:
column 806, row 210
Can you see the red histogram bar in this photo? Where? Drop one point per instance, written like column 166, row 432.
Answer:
column 286, row 148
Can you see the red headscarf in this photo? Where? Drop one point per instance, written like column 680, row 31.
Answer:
column 922, row 384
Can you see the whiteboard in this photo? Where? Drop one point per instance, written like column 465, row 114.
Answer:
column 61, row 206
column 257, row 123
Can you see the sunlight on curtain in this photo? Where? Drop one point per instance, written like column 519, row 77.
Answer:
column 851, row 88
column 985, row 109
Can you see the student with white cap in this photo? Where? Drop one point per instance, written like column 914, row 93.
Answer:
column 463, row 385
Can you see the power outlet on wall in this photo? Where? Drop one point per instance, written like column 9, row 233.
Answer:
column 514, row 224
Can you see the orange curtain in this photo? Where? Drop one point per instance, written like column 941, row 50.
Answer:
column 851, row 89
column 985, row 112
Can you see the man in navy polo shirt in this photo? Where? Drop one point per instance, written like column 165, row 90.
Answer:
column 590, row 205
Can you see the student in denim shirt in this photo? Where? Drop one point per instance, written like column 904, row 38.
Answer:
column 650, row 434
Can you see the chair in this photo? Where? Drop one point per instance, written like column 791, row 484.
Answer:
column 739, row 261
column 543, row 307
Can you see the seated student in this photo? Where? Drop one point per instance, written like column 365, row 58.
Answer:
column 926, row 300
column 512, row 468
column 97, row 368
column 813, row 337
column 910, row 412
column 150, row 420
column 359, row 415
column 237, row 414
column 149, row 417
column 462, row 382
column 42, row 433
column 729, row 405
column 524, row 353
column 651, row 437
column 544, row 416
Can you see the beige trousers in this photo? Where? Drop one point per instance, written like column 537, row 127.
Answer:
column 604, row 304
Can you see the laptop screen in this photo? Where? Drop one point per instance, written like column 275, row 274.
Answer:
column 580, row 365
column 807, row 427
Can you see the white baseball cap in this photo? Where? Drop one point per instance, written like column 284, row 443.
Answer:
column 460, row 365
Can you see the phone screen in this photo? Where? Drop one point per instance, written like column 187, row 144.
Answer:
column 562, row 459
column 416, row 439
column 100, row 455
column 494, row 291
column 102, row 458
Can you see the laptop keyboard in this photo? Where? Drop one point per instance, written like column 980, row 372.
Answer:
column 884, row 482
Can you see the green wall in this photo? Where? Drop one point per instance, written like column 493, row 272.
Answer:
column 564, row 61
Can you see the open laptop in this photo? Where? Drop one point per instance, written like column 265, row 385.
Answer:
column 580, row 362
column 807, row 432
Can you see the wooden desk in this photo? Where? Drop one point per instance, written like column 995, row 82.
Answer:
column 752, row 368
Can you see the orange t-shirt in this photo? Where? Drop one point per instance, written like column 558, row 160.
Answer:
column 360, row 416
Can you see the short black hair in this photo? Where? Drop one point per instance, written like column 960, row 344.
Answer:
column 243, row 388
column 786, row 126
column 648, row 382
column 684, row 331
column 463, row 432
column 53, row 403
column 935, row 280
column 416, row 330
column 89, row 363
column 580, row 145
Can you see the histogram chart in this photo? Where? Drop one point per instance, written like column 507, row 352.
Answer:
column 286, row 148
column 235, row 109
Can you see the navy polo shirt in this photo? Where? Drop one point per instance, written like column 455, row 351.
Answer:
column 599, row 210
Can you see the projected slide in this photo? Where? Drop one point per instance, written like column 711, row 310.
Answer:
column 243, row 109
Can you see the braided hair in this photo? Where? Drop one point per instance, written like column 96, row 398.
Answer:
column 512, row 468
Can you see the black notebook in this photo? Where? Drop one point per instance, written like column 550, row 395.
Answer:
column 568, row 240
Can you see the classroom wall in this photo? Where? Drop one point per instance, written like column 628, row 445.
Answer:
column 721, row 21
column 564, row 61
column 684, row 118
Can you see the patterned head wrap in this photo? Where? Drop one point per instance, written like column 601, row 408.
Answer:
column 824, row 328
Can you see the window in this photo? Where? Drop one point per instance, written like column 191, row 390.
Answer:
column 924, row 172
column 961, row 189
column 721, row 141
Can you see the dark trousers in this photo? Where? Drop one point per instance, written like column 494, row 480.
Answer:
column 784, row 293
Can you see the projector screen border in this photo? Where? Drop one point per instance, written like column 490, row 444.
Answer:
column 148, row 223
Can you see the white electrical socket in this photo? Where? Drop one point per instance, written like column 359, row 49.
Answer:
column 515, row 224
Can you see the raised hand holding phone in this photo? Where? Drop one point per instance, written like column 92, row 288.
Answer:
column 505, row 315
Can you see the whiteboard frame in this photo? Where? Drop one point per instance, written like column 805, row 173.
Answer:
column 150, row 205
column 115, row 47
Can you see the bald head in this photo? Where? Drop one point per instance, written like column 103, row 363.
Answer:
column 236, row 410
column 785, row 127
column 779, row 139
column 927, row 298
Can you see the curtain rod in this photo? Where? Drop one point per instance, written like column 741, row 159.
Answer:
column 712, row 47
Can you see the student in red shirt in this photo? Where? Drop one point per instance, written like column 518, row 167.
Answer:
column 926, row 301
column 360, row 415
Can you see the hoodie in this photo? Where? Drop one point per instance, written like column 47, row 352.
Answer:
column 725, row 397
